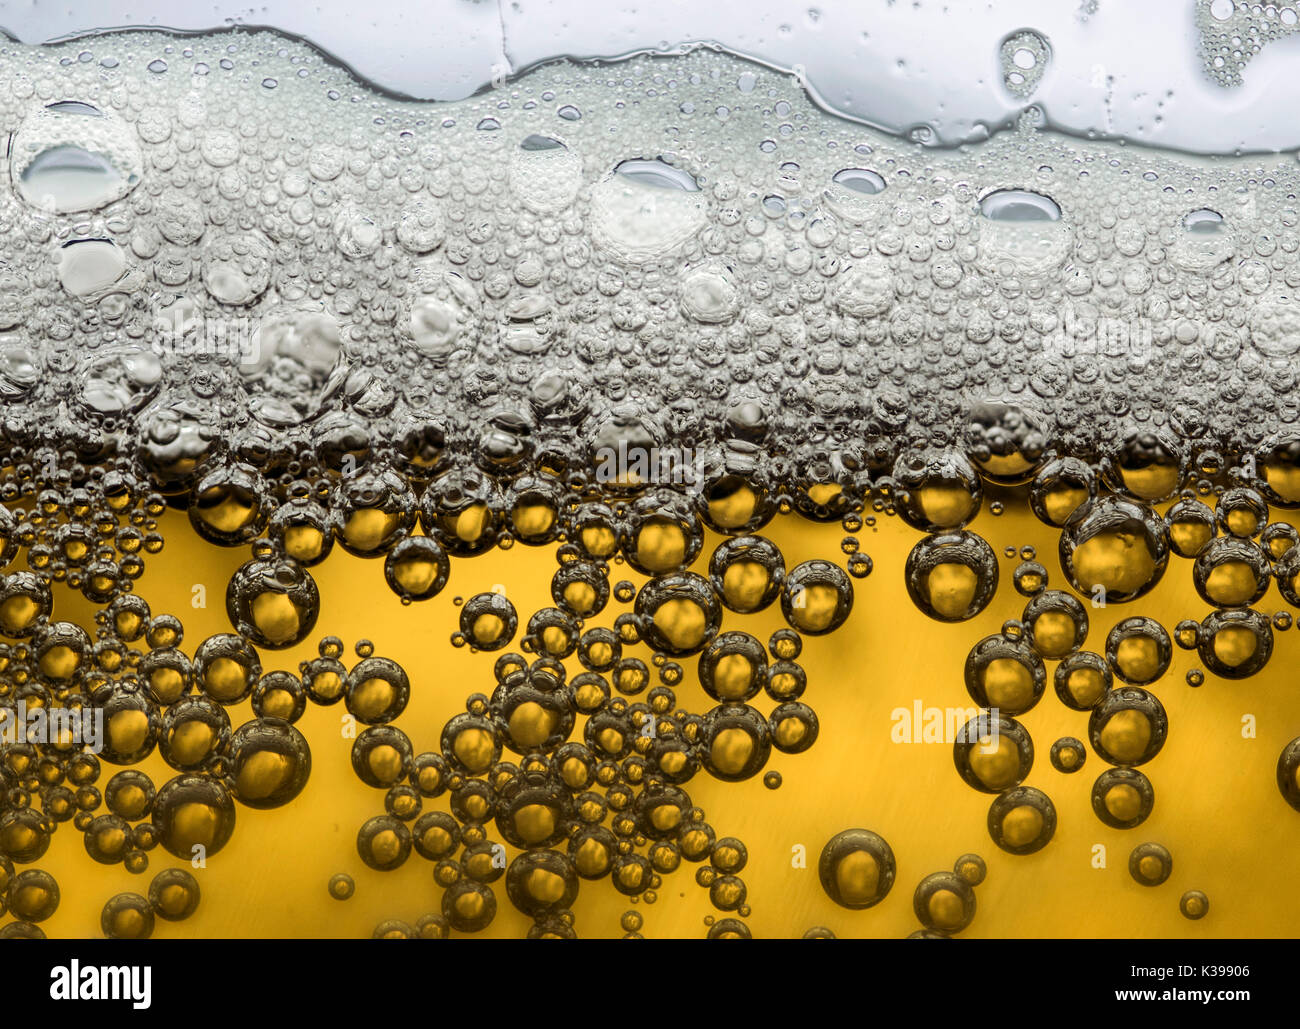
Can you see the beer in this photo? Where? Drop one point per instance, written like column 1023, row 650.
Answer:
column 489, row 516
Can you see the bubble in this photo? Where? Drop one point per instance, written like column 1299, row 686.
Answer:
column 856, row 868
column 1231, row 572
column 1114, row 546
column 428, row 773
column 273, row 603
column 794, row 727
column 383, row 843
column 300, row 528
column 552, row 632
column 1122, row 798
column 469, row 906
column 372, row 513
column 734, row 497
column 1191, row 526
column 193, row 812
column 1279, row 462
column 944, row 902
column 471, row 742
column 61, row 651
column 729, row 929
column 1288, row 773
column 1235, row 644
column 1203, row 222
column 737, row 742
column 174, row 895
column 1186, row 633
column 229, row 506
column 541, row 882
column 1278, row 538
column 533, row 811
column 942, row 491
column 436, row 835
column 128, row 916
column 25, row 602
column 1068, row 754
column 1146, row 466
column 1057, row 624
column 971, row 869
column 709, row 295
column 592, row 850
column 1128, row 727
column 1062, row 486
column 270, row 763
column 645, row 210
column 1019, row 205
column 727, row 893
column 131, row 726
column 545, row 174
column 394, row 929
column 1241, row 512
column 581, row 589
column 747, row 573
column 679, row 614
column 24, row 835
column 1205, row 241
column 33, row 895
column 662, row 534
column 325, row 680
column 1139, row 650
column 1022, row 820
column 489, row 621
column 382, row 756
column 226, row 668
column 1150, row 864
column 952, row 576
column 817, row 597
column 993, row 753
column 432, row 927
column 1030, row 578
column 107, row 839
column 71, row 156
column 733, row 668
column 1269, row 331
column 1024, row 56
column 21, row 931
column 1005, row 674
column 859, row 180
column 1285, row 570
column 1005, row 442
column 279, row 695
column 1194, row 905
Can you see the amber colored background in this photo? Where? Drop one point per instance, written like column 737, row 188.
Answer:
column 1218, row 808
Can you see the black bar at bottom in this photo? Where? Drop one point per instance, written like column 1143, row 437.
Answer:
column 166, row 979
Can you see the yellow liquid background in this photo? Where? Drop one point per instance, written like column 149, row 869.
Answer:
column 1218, row 809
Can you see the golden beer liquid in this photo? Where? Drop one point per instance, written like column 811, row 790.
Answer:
column 1217, row 810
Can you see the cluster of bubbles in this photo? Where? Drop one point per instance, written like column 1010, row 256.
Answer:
column 857, row 869
column 1232, row 32
column 1024, row 56
column 246, row 260
column 608, row 310
column 603, row 798
column 1120, row 523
